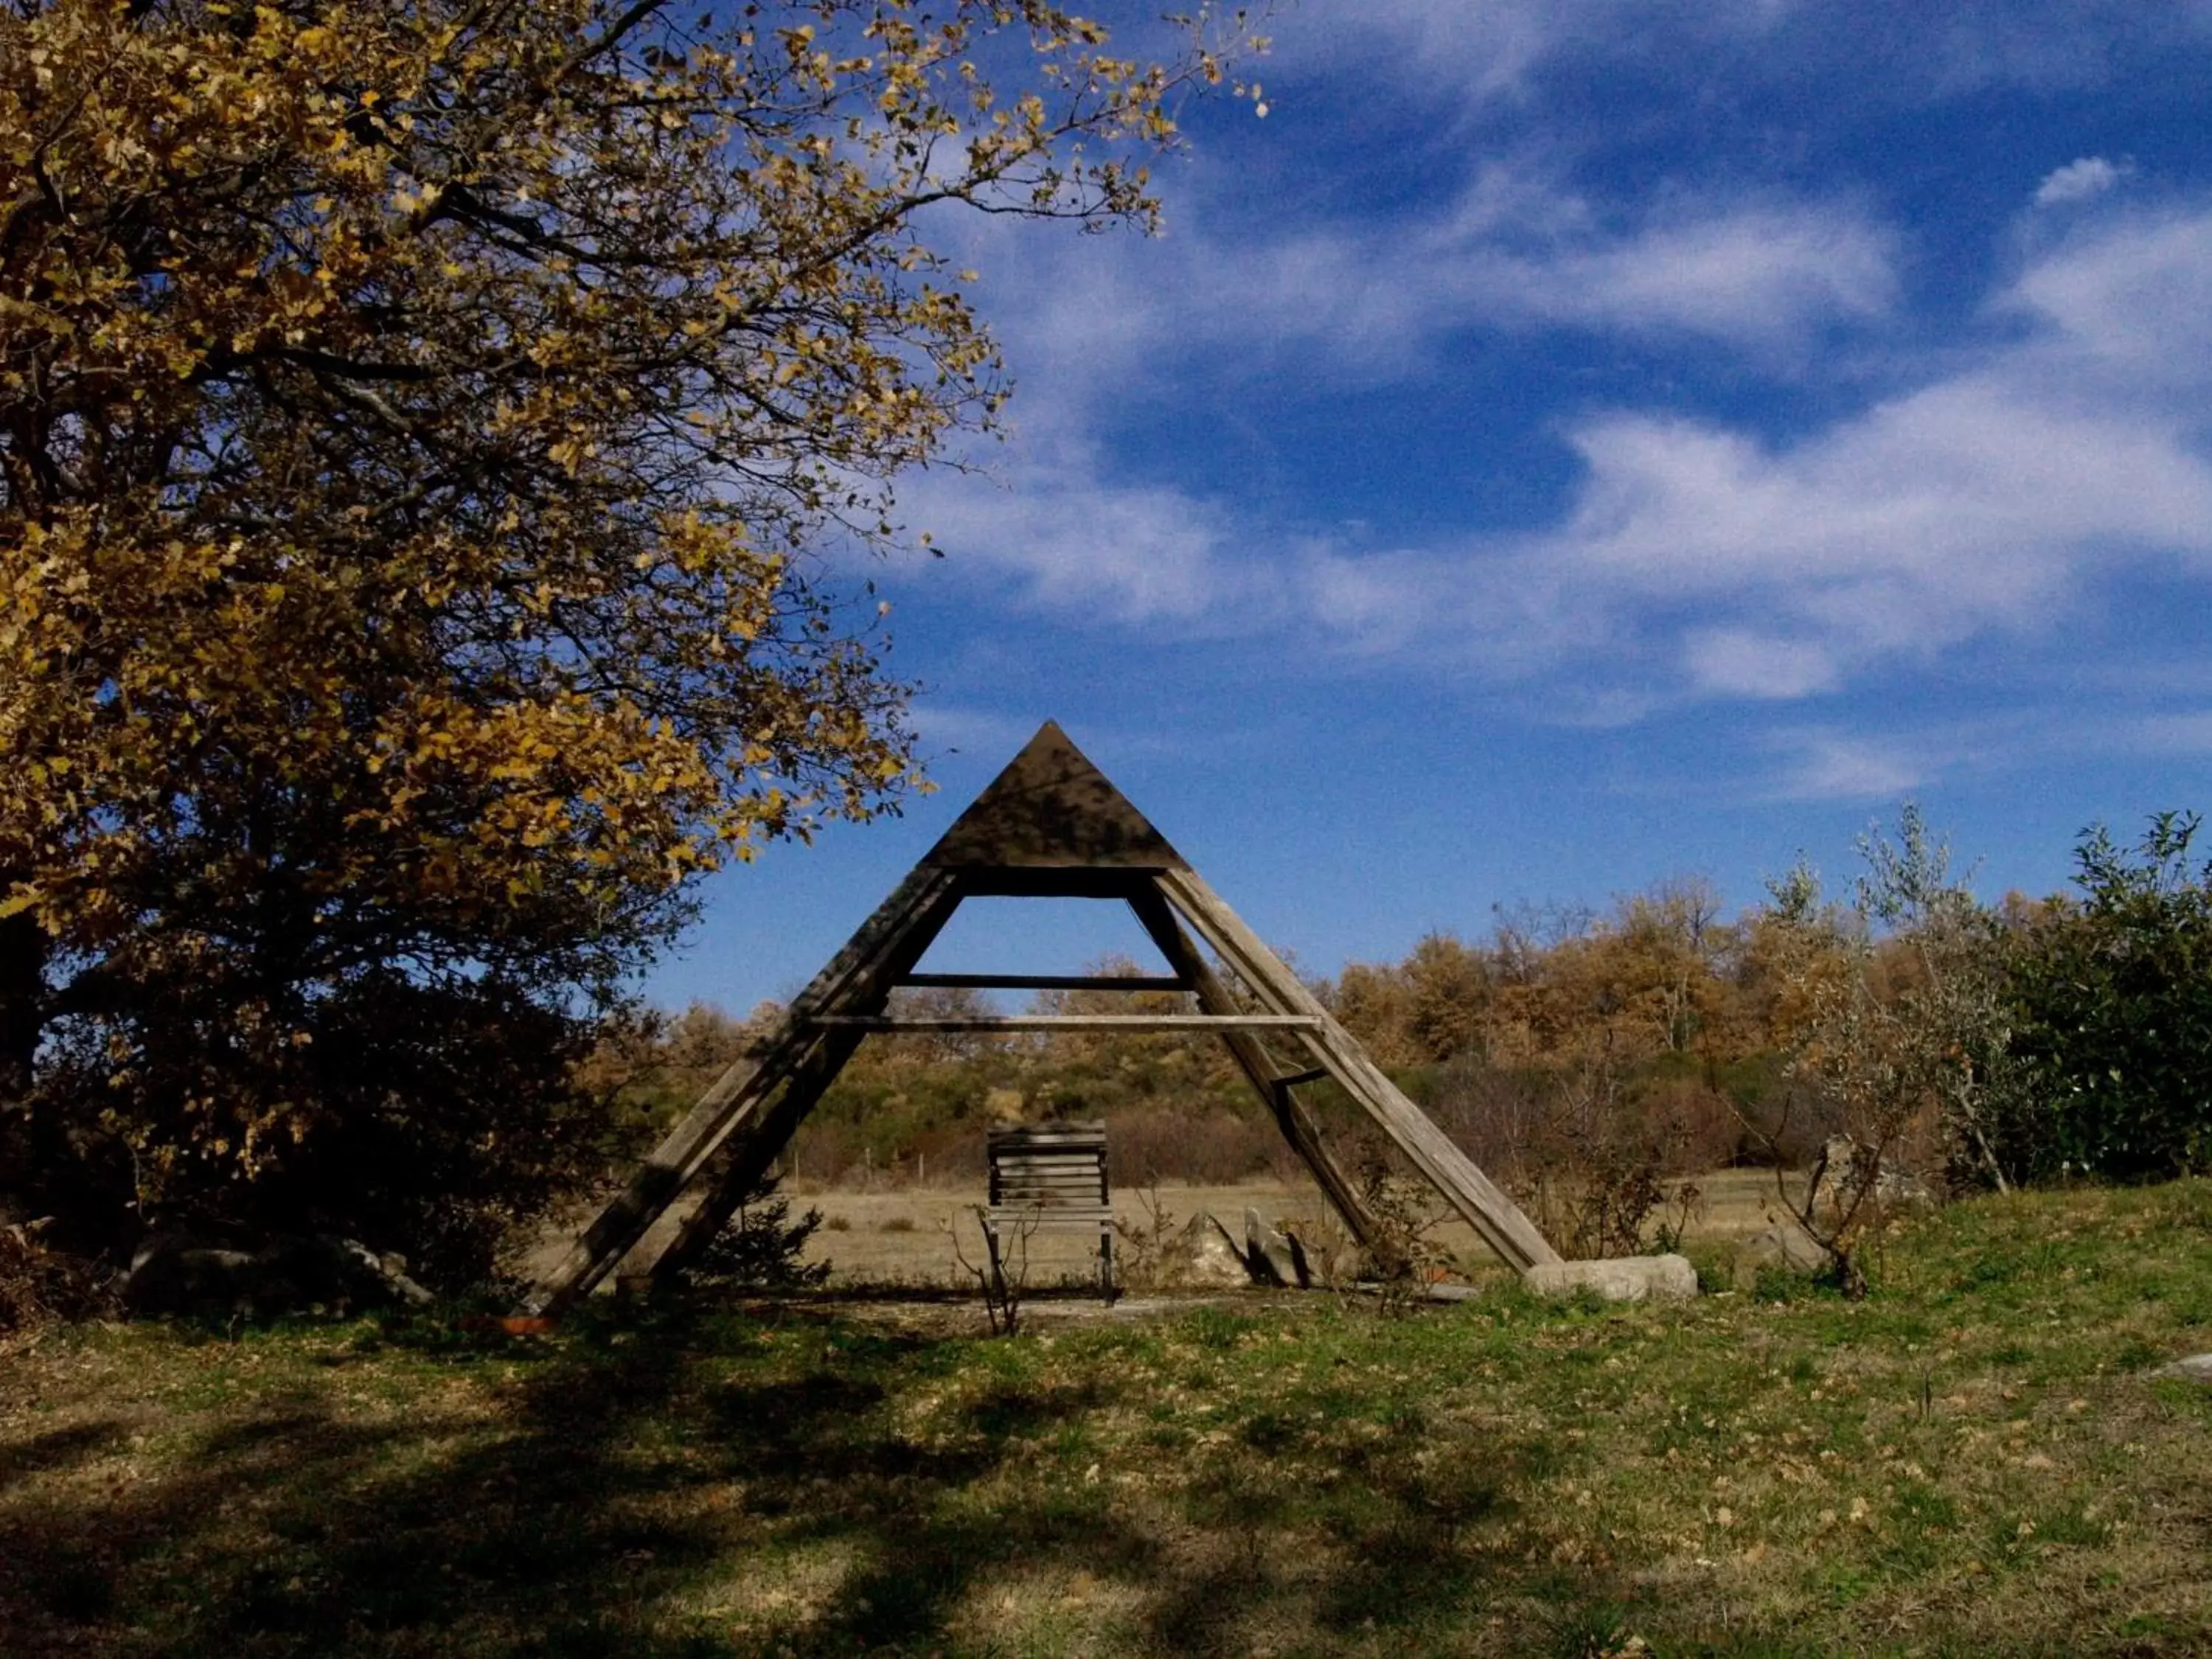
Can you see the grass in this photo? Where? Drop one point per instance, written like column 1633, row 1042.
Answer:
column 1971, row 1462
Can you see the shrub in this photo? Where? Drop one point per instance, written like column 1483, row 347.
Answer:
column 2112, row 999
column 39, row 1283
column 761, row 1249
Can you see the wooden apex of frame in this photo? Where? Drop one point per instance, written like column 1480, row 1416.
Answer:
column 1051, row 809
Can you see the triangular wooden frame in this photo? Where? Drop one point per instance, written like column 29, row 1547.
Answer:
column 1050, row 824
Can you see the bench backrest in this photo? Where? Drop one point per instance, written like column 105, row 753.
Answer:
column 1046, row 1167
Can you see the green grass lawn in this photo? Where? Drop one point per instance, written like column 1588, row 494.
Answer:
column 1971, row 1461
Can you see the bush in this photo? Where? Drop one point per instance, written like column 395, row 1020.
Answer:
column 761, row 1247
column 1212, row 1150
column 433, row 1118
column 2112, row 1000
column 39, row 1283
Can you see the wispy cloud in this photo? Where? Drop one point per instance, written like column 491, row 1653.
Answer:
column 1090, row 329
column 1837, row 766
column 2078, row 182
column 1520, row 252
column 1696, row 558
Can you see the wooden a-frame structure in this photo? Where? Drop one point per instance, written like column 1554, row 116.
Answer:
column 1050, row 825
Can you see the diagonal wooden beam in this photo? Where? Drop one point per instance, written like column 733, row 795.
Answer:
column 923, row 901
column 763, row 1131
column 1496, row 1219
column 1232, row 1022
column 1259, row 1068
column 746, row 1156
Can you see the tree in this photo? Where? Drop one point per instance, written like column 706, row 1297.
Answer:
column 1904, row 1034
column 2113, row 996
column 418, row 425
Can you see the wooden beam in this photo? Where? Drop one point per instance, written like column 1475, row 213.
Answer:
column 1259, row 1067
column 1042, row 982
column 1063, row 1022
column 919, row 904
column 1056, row 883
column 1496, row 1219
column 755, row 1143
column 752, row 1147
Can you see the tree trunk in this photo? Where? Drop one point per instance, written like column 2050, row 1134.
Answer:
column 24, row 948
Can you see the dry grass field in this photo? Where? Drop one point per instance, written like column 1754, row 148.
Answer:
column 905, row 1235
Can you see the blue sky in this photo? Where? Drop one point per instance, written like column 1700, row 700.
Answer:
column 1562, row 447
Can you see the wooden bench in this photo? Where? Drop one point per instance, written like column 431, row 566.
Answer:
column 1052, row 1177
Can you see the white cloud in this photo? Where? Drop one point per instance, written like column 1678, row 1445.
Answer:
column 1479, row 51
column 1993, row 500
column 1518, row 252
column 2077, row 181
column 2061, row 438
column 1834, row 766
column 1699, row 556
column 1756, row 274
column 1071, row 543
column 1515, row 250
column 1086, row 324
column 1742, row 662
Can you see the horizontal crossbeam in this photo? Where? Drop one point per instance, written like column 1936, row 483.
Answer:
column 1067, row 1022
column 1042, row 982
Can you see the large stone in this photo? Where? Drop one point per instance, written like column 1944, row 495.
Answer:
column 1202, row 1256
column 1273, row 1258
column 1617, row 1279
column 2197, row 1367
column 1785, row 1246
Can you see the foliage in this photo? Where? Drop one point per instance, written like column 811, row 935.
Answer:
column 419, row 427
column 1904, row 1027
column 38, row 1284
column 436, row 1115
column 761, row 1247
column 2113, row 999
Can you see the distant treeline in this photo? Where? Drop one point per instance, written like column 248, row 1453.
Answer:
column 1574, row 1052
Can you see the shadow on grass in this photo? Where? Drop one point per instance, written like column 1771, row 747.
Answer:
column 651, row 1491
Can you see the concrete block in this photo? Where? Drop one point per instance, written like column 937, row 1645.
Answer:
column 1619, row 1279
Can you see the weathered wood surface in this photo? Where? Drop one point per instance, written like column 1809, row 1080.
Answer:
column 1235, row 1022
column 1259, row 1067
column 749, row 1152
column 1042, row 982
column 1052, row 1177
column 756, row 1141
column 1496, row 1219
column 1050, row 808
column 1050, row 825
column 918, row 906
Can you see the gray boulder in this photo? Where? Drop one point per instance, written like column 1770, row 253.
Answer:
column 1202, row 1256
column 1271, row 1257
column 1785, row 1246
column 2197, row 1367
column 1617, row 1279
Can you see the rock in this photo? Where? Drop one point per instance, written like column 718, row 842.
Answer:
column 1784, row 1246
column 175, row 1273
column 1203, row 1257
column 1619, row 1279
column 2197, row 1368
column 1838, row 1177
column 1272, row 1258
